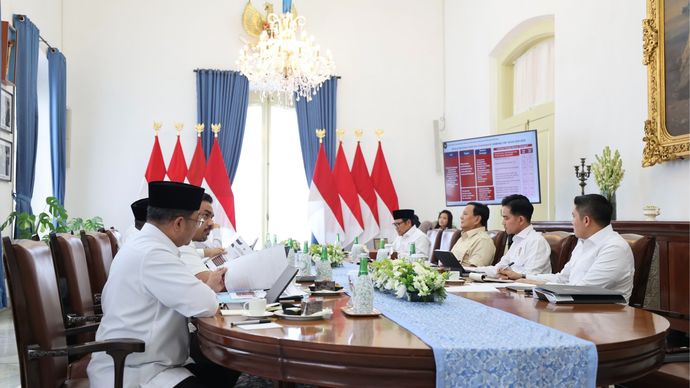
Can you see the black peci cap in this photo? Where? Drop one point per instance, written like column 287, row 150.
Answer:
column 139, row 209
column 174, row 195
column 405, row 214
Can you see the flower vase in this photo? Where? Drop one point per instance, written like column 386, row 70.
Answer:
column 611, row 197
column 415, row 297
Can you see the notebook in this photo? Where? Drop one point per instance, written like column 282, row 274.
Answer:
column 272, row 295
column 556, row 293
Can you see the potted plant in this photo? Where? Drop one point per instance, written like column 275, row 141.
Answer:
column 608, row 173
column 415, row 281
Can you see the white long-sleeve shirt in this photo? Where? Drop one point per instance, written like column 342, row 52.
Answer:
column 148, row 296
column 530, row 254
column 604, row 260
column 413, row 235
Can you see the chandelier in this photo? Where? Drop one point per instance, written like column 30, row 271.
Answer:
column 285, row 60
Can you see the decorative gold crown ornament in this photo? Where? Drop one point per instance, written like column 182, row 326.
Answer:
column 320, row 133
column 199, row 128
column 178, row 128
column 379, row 134
column 340, row 133
column 215, row 128
column 157, row 127
column 358, row 134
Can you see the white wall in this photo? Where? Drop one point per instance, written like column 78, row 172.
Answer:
column 47, row 16
column 130, row 62
column 601, row 93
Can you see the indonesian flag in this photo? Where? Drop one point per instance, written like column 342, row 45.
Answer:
column 219, row 183
column 155, row 171
column 197, row 168
column 177, row 169
column 352, row 214
column 324, row 210
column 387, row 198
column 367, row 197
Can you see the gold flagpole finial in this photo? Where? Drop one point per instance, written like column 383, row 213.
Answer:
column 358, row 134
column 340, row 133
column 379, row 134
column 157, row 126
column 199, row 128
column 178, row 128
column 215, row 128
column 320, row 133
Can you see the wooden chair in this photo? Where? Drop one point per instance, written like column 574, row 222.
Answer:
column 38, row 324
column 99, row 257
column 72, row 272
column 562, row 245
column 112, row 234
column 643, row 250
column 499, row 238
column 434, row 236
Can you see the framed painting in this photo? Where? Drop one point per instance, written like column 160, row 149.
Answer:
column 666, row 50
column 5, row 160
column 6, row 110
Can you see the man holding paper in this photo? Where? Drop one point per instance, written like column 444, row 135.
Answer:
column 192, row 257
column 601, row 258
column 530, row 252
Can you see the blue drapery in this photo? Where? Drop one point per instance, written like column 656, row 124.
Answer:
column 319, row 113
column 57, row 75
column 222, row 96
column 26, row 109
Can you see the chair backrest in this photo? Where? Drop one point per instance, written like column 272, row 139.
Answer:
column 99, row 257
column 499, row 237
column 434, row 236
column 562, row 245
column 73, row 271
column 36, row 310
column 643, row 251
column 449, row 238
column 114, row 237
column 425, row 226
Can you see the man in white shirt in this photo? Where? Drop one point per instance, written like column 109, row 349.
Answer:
column 530, row 252
column 601, row 258
column 150, row 294
column 192, row 257
column 408, row 234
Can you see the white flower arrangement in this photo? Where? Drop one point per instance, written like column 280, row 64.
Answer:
column 403, row 278
column 608, row 171
column 336, row 255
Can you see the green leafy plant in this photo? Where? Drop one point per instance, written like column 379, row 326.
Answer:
column 54, row 220
column 608, row 171
column 405, row 278
column 336, row 255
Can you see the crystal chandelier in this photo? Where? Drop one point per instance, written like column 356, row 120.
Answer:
column 285, row 60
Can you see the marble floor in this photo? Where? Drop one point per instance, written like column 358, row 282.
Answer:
column 9, row 363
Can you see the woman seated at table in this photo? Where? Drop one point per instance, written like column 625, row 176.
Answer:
column 445, row 220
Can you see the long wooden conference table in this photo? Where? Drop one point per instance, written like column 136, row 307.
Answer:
column 346, row 351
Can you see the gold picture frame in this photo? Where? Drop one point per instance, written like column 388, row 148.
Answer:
column 666, row 130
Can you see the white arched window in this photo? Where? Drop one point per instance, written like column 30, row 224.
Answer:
column 533, row 77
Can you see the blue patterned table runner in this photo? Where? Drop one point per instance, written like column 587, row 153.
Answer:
column 476, row 345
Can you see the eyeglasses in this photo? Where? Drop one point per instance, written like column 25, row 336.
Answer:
column 199, row 221
column 398, row 223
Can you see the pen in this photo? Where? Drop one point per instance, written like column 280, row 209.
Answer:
column 510, row 264
column 250, row 322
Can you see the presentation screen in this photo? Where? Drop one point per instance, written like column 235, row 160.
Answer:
column 486, row 169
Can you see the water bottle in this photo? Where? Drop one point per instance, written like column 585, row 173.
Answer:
column 382, row 253
column 304, row 261
column 364, row 289
column 323, row 266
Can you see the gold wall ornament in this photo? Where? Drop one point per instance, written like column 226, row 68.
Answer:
column 215, row 128
column 157, row 125
column 178, row 128
column 320, row 133
column 199, row 128
column 340, row 133
column 358, row 134
column 665, row 137
column 379, row 134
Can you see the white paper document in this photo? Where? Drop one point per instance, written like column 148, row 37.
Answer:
column 271, row 325
column 473, row 287
column 258, row 270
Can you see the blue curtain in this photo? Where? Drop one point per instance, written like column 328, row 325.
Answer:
column 319, row 113
column 222, row 97
column 26, row 109
column 57, row 77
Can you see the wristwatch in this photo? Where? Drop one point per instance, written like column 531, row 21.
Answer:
column 523, row 276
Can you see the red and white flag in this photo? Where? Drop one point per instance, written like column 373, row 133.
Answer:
column 155, row 170
column 218, row 182
column 177, row 169
column 349, row 200
column 387, row 197
column 197, row 167
column 324, row 210
column 367, row 197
